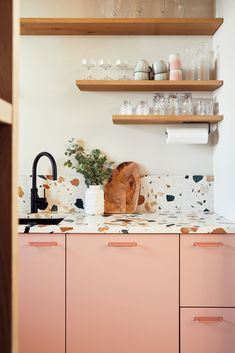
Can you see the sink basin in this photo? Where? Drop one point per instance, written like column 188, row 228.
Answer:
column 45, row 221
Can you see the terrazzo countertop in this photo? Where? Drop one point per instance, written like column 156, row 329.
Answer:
column 163, row 223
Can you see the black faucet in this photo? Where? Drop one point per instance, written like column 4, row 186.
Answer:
column 36, row 201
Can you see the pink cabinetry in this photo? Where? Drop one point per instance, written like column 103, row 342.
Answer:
column 208, row 270
column 207, row 330
column 207, row 284
column 122, row 293
column 42, row 293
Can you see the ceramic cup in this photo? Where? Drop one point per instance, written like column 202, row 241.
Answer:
column 176, row 75
column 175, row 62
column 159, row 66
column 142, row 66
column 162, row 76
column 141, row 76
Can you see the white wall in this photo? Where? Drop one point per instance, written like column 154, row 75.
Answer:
column 52, row 109
column 224, row 154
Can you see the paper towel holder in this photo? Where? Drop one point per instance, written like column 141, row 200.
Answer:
column 212, row 127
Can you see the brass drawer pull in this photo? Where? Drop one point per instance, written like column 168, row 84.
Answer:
column 122, row 244
column 208, row 319
column 43, row 243
column 208, row 244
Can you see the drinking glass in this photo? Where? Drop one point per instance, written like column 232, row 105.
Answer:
column 142, row 108
column 126, row 108
column 118, row 8
column 209, row 106
column 189, row 63
column 186, row 103
column 179, row 9
column 201, row 107
column 106, row 65
column 173, row 107
column 123, row 66
column 159, row 104
column 106, row 8
column 89, row 64
column 202, row 62
column 165, row 8
column 139, row 8
column 130, row 70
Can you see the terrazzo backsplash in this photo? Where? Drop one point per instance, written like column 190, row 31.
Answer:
column 158, row 193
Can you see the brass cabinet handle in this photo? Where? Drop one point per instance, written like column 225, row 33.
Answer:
column 125, row 244
column 208, row 319
column 43, row 243
column 208, row 244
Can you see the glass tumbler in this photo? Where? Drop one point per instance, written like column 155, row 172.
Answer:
column 173, row 106
column 126, row 108
column 209, row 106
column 186, row 103
column 159, row 104
column 142, row 108
column 202, row 67
column 201, row 107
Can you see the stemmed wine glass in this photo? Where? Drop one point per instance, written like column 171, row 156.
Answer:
column 123, row 66
column 89, row 64
column 179, row 9
column 139, row 8
column 106, row 65
column 164, row 9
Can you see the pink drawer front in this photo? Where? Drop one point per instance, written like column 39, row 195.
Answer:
column 208, row 271
column 207, row 330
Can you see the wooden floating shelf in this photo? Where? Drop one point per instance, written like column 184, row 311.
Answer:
column 166, row 119
column 5, row 112
column 147, row 86
column 120, row 26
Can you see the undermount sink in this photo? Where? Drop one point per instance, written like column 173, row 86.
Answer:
column 44, row 221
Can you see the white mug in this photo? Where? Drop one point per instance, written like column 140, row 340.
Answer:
column 159, row 67
column 141, row 76
column 142, row 66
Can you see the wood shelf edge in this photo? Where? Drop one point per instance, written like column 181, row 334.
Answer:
column 148, row 85
column 165, row 119
column 120, row 26
column 5, row 112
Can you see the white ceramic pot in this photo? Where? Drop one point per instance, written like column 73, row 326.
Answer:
column 94, row 200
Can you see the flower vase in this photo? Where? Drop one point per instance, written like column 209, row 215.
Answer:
column 94, row 200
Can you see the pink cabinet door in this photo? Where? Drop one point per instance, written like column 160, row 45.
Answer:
column 208, row 270
column 207, row 330
column 41, row 293
column 122, row 293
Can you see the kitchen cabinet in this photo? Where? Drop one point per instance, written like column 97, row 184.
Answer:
column 207, row 270
column 41, row 293
column 206, row 330
column 122, row 293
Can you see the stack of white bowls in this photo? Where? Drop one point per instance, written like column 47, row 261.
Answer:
column 142, row 70
column 160, row 70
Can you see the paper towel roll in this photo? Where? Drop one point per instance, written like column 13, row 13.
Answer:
column 188, row 134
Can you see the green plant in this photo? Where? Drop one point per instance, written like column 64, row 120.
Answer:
column 94, row 165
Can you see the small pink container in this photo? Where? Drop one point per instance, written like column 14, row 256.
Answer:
column 175, row 62
column 176, row 75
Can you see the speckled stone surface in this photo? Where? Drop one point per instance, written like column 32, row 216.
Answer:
column 183, row 193
column 161, row 222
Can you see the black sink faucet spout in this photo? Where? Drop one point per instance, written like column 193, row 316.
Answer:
column 36, row 201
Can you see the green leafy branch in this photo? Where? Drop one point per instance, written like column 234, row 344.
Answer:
column 94, row 165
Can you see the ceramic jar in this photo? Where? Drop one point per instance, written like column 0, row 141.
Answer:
column 94, row 200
